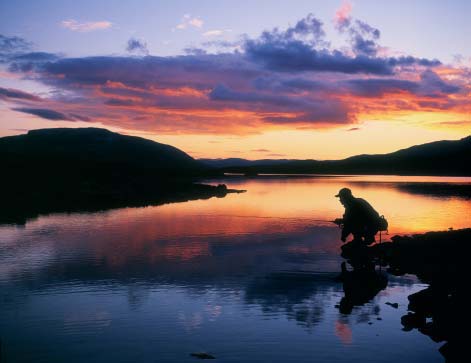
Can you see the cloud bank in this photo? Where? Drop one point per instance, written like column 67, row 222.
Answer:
column 283, row 79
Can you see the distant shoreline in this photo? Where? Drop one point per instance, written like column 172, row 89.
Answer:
column 467, row 178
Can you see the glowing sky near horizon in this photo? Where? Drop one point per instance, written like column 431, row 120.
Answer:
column 250, row 79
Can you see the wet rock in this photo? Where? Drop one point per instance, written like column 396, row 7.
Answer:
column 411, row 321
column 202, row 355
column 422, row 302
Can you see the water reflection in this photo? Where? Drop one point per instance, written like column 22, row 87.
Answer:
column 360, row 286
column 299, row 295
column 244, row 277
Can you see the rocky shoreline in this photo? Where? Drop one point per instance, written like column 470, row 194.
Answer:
column 436, row 258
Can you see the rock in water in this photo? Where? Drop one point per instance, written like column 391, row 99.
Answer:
column 202, row 355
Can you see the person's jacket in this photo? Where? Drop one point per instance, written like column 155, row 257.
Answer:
column 359, row 216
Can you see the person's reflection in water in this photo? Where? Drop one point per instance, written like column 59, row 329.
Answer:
column 360, row 286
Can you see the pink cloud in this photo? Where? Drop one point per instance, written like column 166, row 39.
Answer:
column 190, row 21
column 342, row 15
column 74, row 25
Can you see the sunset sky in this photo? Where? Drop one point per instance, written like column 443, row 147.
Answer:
column 251, row 79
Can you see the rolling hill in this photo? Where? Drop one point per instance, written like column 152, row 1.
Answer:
column 97, row 150
column 435, row 158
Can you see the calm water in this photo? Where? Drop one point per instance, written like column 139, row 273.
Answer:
column 247, row 278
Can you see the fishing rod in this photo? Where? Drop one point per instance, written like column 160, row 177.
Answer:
column 337, row 221
column 264, row 217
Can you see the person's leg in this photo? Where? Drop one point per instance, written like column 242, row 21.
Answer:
column 370, row 235
column 357, row 238
column 369, row 239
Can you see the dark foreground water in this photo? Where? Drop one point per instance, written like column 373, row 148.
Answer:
column 247, row 278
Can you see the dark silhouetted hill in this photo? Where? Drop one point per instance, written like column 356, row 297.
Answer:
column 435, row 158
column 88, row 169
column 93, row 150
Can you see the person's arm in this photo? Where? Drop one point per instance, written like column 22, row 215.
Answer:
column 346, row 230
column 345, row 233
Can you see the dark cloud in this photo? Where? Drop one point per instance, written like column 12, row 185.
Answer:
column 412, row 61
column 289, row 85
column 363, row 37
column 13, row 45
column 431, row 104
column 35, row 57
column 309, row 28
column 199, row 72
column 323, row 115
column 17, row 94
column 261, row 150
column 430, row 85
column 76, row 117
column 364, row 46
column 137, row 46
column 16, row 52
column 27, row 62
column 45, row 113
column 301, row 48
column 303, row 84
column 298, row 56
column 223, row 93
column 307, row 110
column 119, row 102
column 433, row 85
column 375, row 87
column 366, row 29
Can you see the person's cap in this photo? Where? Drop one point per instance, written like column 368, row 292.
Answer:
column 344, row 192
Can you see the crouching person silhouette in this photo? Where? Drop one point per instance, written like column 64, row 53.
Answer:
column 360, row 219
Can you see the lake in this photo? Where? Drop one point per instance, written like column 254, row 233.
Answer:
column 247, row 278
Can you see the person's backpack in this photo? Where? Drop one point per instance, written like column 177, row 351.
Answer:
column 382, row 224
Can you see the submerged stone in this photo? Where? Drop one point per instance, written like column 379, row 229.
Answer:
column 202, row 355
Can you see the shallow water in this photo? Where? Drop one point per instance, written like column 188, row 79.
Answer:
column 248, row 277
